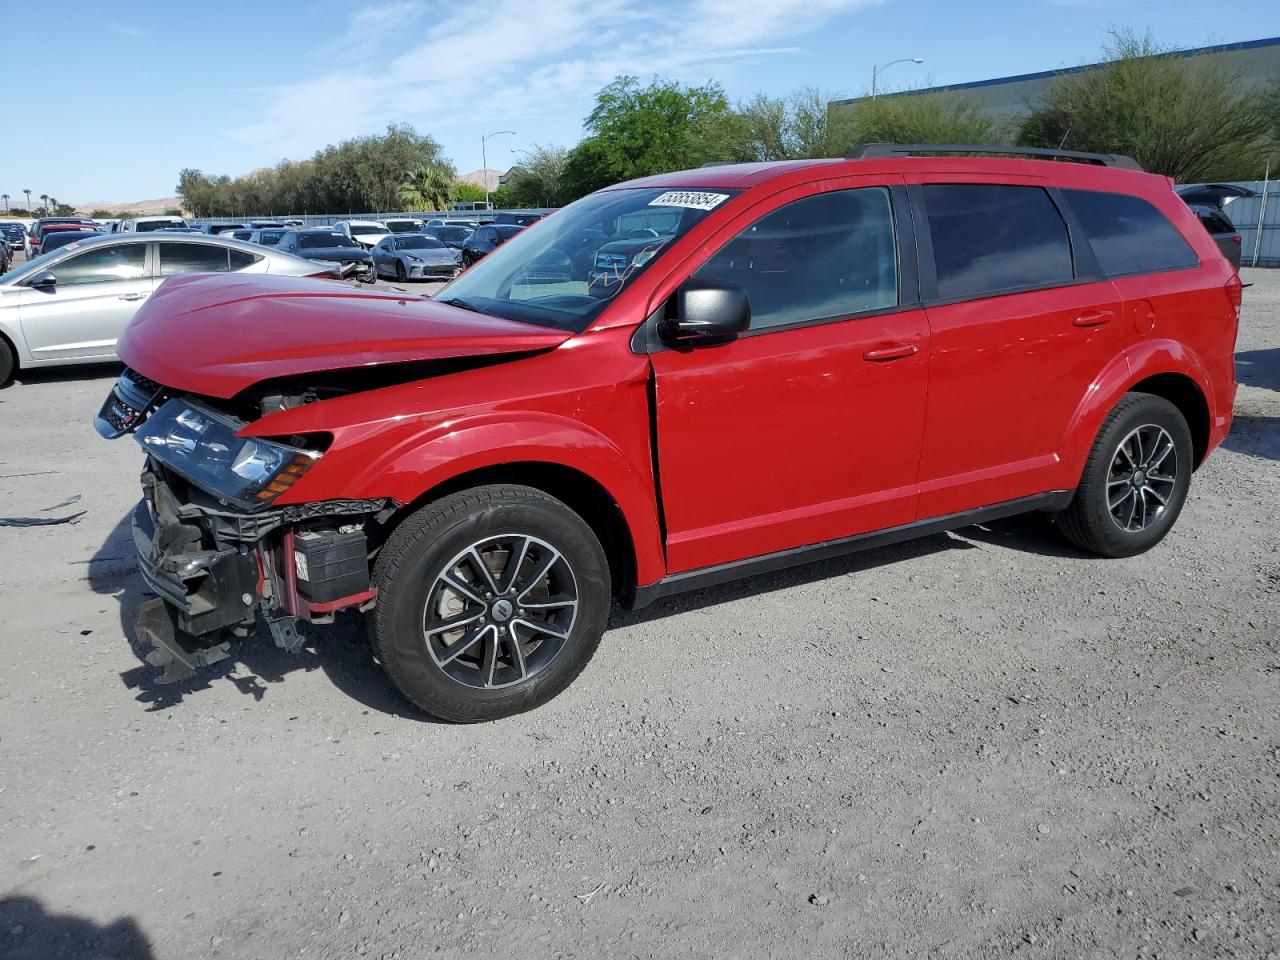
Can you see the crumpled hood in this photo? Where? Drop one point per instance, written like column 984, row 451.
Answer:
column 216, row 334
column 338, row 254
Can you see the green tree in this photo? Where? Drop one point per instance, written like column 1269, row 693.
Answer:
column 539, row 179
column 946, row 117
column 800, row 126
column 636, row 131
column 468, row 192
column 427, row 188
column 1185, row 117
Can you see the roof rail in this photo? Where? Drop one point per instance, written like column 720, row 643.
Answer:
column 870, row 151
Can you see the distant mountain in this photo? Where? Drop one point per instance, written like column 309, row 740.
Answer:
column 141, row 208
column 478, row 177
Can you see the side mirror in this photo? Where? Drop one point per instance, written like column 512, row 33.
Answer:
column 706, row 310
column 44, row 280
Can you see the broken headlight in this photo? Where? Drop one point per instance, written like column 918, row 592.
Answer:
column 202, row 446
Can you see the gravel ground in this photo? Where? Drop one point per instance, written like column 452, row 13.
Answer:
column 977, row 744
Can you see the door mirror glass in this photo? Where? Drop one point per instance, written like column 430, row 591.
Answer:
column 705, row 309
column 43, row 280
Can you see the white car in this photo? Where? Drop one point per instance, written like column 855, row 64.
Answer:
column 71, row 304
column 364, row 232
column 404, row 224
column 148, row 224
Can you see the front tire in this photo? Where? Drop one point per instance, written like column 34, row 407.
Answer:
column 1135, row 481
column 400, row 272
column 8, row 362
column 490, row 602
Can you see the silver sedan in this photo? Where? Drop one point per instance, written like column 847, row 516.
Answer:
column 70, row 305
column 414, row 257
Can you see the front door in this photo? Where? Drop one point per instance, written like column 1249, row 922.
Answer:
column 806, row 428
column 97, row 293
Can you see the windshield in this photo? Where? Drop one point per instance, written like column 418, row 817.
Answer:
column 418, row 243
column 563, row 271
column 317, row 241
column 143, row 226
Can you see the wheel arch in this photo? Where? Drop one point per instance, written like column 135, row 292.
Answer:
column 1185, row 394
column 579, row 491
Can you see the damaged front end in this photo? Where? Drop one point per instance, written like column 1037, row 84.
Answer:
column 212, row 545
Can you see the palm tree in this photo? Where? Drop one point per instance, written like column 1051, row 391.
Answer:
column 45, row 198
column 28, row 193
column 427, row 188
column 5, row 198
column 53, row 205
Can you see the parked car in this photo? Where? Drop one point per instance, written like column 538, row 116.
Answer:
column 450, row 236
column 145, row 224
column 6, row 256
column 1208, row 201
column 35, row 243
column 331, row 246
column 264, row 224
column 268, row 236
column 14, row 236
column 242, row 234
column 815, row 357
column 69, row 305
column 56, row 239
column 364, row 232
column 294, row 222
column 485, row 240
column 415, row 257
column 521, row 218
column 443, row 222
column 403, row 225
column 213, row 229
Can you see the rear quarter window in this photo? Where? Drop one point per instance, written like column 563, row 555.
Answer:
column 1128, row 234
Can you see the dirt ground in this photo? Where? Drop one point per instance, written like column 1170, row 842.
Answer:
column 978, row 744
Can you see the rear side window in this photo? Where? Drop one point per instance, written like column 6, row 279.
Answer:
column 826, row 256
column 241, row 259
column 1129, row 235
column 192, row 258
column 991, row 238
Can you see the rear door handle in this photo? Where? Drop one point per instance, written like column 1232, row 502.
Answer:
column 1094, row 319
column 895, row 351
column 132, row 296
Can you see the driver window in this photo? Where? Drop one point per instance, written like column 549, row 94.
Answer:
column 824, row 257
column 123, row 262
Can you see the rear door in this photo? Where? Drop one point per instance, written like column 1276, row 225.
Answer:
column 806, row 428
column 1021, row 326
column 97, row 294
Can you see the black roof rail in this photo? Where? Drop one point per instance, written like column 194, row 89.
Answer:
column 870, row 151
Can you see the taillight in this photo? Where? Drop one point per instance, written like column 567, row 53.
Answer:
column 1236, row 240
column 1235, row 294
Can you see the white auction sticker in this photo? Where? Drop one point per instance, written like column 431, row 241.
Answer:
column 694, row 199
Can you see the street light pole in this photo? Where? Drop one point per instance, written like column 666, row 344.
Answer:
column 484, row 161
column 876, row 71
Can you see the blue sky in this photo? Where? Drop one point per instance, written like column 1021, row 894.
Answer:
column 162, row 85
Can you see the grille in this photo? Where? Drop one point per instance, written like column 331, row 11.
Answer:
column 144, row 384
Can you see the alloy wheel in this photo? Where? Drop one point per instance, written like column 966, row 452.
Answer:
column 1142, row 478
column 500, row 611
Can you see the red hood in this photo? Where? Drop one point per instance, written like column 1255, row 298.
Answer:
column 217, row 334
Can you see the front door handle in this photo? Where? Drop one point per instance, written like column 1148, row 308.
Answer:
column 894, row 351
column 1094, row 319
column 132, row 296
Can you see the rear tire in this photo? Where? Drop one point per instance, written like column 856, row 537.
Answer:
column 473, row 672
column 1135, row 481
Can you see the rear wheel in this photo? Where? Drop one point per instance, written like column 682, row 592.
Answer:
column 491, row 601
column 1135, row 480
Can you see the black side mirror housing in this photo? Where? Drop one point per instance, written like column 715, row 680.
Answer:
column 706, row 310
column 44, row 280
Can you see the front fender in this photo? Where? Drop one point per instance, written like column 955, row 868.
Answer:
column 1137, row 363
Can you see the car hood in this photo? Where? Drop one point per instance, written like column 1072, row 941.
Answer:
column 340, row 254
column 217, row 334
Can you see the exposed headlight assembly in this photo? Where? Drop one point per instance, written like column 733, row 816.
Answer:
column 202, row 446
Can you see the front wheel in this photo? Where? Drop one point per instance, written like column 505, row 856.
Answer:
column 491, row 601
column 8, row 362
column 1135, row 480
column 400, row 274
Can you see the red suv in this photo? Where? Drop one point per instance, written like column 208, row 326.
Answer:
column 672, row 383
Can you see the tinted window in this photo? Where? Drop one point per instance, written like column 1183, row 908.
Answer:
column 989, row 238
column 125, row 261
column 507, row 232
column 191, row 258
column 830, row 255
column 241, row 259
column 55, row 241
column 1129, row 235
column 318, row 241
column 143, row 226
column 1214, row 220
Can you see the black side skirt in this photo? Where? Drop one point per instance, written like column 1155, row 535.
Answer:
column 1051, row 502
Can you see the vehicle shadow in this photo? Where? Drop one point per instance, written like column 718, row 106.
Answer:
column 1254, row 436
column 95, row 371
column 32, row 932
column 1259, row 368
column 341, row 651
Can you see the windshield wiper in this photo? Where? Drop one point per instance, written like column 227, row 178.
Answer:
column 456, row 302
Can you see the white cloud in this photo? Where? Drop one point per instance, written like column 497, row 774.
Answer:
column 510, row 60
